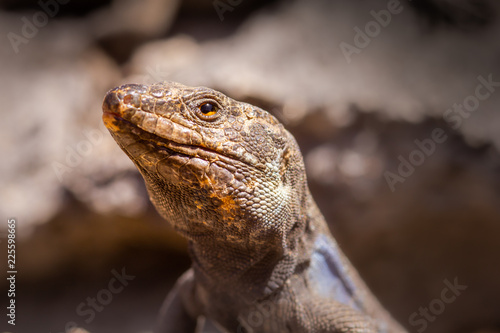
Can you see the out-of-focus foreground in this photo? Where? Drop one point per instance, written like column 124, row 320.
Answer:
column 394, row 104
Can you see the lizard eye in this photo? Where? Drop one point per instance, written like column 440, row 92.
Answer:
column 208, row 111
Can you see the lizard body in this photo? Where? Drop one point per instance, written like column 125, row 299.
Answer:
column 231, row 179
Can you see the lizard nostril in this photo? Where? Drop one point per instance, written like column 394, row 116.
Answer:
column 132, row 99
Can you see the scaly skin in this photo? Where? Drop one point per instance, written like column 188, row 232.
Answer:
column 231, row 179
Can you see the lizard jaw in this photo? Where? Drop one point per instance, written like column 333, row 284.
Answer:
column 122, row 105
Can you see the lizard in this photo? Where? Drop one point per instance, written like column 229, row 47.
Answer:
column 231, row 179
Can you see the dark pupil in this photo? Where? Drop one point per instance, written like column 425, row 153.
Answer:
column 207, row 108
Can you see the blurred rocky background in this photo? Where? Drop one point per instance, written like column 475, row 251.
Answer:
column 395, row 105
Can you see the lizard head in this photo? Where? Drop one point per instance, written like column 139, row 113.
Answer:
column 213, row 166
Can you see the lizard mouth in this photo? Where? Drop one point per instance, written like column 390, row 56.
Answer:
column 119, row 125
column 152, row 143
column 131, row 125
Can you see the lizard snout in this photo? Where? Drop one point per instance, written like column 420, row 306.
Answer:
column 128, row 95
column 111, row 103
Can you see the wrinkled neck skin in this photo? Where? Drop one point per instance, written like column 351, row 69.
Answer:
column 230, row 268
column 253, row 270
column 232, row 249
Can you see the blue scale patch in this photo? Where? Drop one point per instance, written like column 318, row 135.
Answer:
column 327, row 274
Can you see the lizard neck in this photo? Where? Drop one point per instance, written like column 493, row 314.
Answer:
column 256, row 271
column 227, row 266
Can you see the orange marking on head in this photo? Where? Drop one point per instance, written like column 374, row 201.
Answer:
column 110, row 122
column 198, row 204
column 228, row 203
